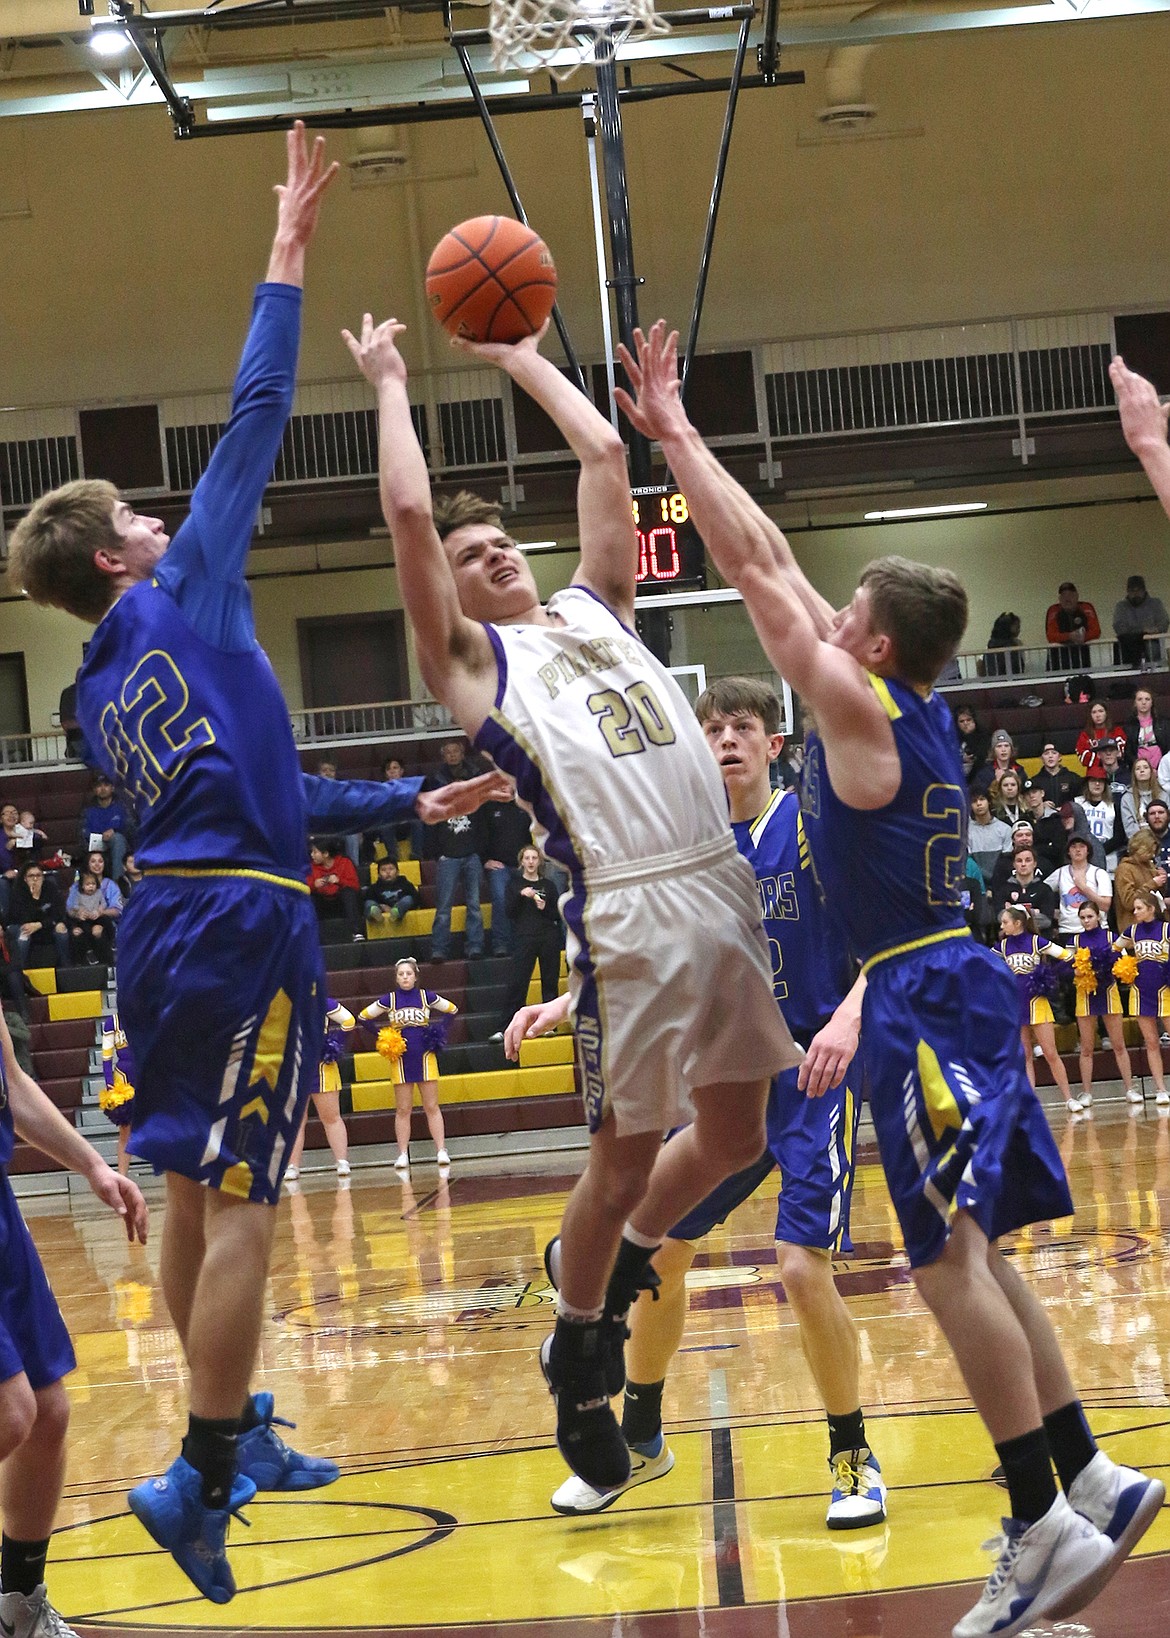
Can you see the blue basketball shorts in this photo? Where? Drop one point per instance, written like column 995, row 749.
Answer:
column 221, row 992
column 958, row 1125
column 33, row 1338
column 813, row 1142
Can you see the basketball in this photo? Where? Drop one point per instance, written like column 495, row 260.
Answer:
column 491, row 279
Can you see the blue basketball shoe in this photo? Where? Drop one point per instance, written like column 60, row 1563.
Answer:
column 263, row 1457
column 172, row 1510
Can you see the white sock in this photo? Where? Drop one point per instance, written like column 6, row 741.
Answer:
column 579, row 1316
column 647, row 1242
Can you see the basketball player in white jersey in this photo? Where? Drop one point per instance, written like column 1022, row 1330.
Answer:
column 670, row 978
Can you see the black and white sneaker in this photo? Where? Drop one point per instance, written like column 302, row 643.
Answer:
column 615, row 1329
column 588, row 1435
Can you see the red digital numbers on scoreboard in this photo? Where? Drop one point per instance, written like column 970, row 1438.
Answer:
column 669, row 549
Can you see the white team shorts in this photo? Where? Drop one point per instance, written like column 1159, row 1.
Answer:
column 670, row 982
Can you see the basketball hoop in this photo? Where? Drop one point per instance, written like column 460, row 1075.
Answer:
column 588, row 30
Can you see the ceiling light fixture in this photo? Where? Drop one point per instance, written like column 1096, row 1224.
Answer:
column 109, row 42
column 925, row 511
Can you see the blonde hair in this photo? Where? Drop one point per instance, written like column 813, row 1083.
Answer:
column 1143, row 845
column 452, row 512
column 51, row 553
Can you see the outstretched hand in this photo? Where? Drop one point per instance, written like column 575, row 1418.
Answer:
column 124, row 1196
column 501, row 353
column 376, row 353
column 301, row 192
column 1143, row 417
column 530, row 1022
column 463, row 796
column 656, row 407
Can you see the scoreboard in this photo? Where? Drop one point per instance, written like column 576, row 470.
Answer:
column 670, row 553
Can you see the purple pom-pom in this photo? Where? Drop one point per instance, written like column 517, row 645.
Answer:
column 1044, row 980
column 334, row 1046
column 434, row 1036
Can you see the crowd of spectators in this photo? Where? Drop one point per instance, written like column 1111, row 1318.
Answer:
column 1089, row 827
column 1071, row 624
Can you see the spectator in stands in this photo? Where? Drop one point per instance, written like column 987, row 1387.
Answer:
column 1070, row 627
column 1058, row 783
column 509, row 831
column 1076, row 883
column 1074, row 823
column 1021, row 837
column 410, row 830
column 974, row 741
column 538, row 935
column 1002, row 760
column 28, row 842
column 1026, row 887
column 130, row 877
column 1047, row 828
column 1143, row 788
column 1135, row 618
column 106, row 823
column 1158, row 821
column 1139, row 871
column 333, row 883
column 976, row 900
column 1145, row 731
column 110, row 891
column 987, row 837
column 350, row 845
column 15, row 997
column 91, row 928
column 390, row 896
column 1103, row 813
column 1093, row 736
column 457, row 844
column 1005, row 797
column 37, row 932
column 1005, row 634
column 1117, row 779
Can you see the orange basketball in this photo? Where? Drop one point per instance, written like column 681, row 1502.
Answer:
column 491, row 279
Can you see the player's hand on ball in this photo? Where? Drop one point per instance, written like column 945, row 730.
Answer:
column 502, row 353
column 829, row 1055
column 123, row 1196
column 1143, row 418
column 376, row 351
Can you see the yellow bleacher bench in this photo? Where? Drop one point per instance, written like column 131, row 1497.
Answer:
column 75, row 1004
column 42, row 979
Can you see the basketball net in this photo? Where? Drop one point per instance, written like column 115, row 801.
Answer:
column 586, row 30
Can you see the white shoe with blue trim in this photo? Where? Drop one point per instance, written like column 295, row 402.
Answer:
column 649, row 1461
column 859, row 1493
column 1120, row 1501
column 1053, row 1567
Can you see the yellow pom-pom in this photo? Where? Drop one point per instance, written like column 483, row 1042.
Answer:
column 113, row 1097
column 391, row 1042
column 1125, row 970
column 1084, row 976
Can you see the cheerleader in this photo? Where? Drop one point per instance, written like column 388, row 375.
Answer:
column 1098, row 997
column 327, row 1098
column 1026, row 954
column 1147, row 940
column 409, row 1041
column 117, row 1095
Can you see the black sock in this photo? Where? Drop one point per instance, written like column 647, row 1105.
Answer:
column 1070, row 1440
column 1027, row 1472
column 631, row 1273
column 210, row 1447
column 249, row 1419
column 847, row 1433
column 642, row 1412
column 22, row 1565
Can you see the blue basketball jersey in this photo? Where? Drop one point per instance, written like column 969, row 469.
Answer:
column 894, row 875
column 809, row 967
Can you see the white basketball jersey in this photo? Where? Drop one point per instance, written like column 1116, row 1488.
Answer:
column 603, row 745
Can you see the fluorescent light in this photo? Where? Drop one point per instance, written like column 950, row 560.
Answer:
column 109, row 42
column 527, row 546
column 926, row 511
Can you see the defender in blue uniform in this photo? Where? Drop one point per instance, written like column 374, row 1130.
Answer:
column 221, row 982
column 811, row 1139
column 965, row 1147
column 35, row 1351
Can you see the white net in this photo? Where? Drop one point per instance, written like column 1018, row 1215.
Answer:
column 565, row 34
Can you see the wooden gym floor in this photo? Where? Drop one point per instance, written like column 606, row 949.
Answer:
column 405, row 1322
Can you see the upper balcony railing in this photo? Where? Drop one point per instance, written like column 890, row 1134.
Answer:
column 767, row 395
column 1008, row 667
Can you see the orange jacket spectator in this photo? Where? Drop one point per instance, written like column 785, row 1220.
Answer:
column 1070, row 620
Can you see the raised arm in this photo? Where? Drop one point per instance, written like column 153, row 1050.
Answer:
column 448, row 642
column 859, row 744
column 360, row 804
column 609, row 543
column 1143, row 421
column 214, row 541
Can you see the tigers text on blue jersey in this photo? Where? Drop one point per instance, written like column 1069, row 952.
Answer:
column 894, row 875
column 809, row 965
